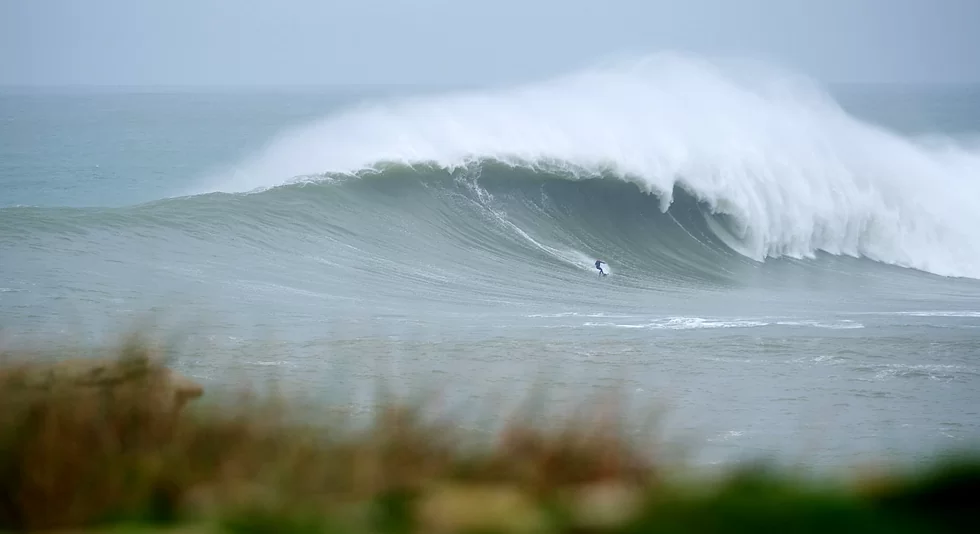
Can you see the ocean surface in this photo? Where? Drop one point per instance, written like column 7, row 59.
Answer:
column 794, row 269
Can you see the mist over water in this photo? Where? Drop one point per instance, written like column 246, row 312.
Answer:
column 780, row 265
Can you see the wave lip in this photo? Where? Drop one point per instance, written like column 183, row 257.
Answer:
column 782, row 166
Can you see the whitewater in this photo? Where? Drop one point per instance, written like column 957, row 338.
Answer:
column 790, row 170
column 794, row 268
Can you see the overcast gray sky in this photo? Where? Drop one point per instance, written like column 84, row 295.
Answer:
column 301, row 42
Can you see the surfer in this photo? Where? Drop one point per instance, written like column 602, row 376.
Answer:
column 598, row 265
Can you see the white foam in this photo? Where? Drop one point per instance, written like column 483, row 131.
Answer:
column 931, row 371
column 684, row 323
column 840, row 325
column 939, row 313
column 795, row 173
column 689, row 323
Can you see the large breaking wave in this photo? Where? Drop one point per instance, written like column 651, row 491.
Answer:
column 485, row 231
column 785, row 169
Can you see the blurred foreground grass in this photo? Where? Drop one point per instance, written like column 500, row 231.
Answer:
column 116, row 445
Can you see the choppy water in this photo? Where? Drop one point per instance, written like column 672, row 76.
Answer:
column 794, row 272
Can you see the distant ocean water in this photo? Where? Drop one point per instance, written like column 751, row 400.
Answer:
column 795, row 271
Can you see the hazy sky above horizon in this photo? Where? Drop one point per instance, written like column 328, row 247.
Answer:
column 309, row 42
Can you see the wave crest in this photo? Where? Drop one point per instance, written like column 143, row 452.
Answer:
column 788, row 169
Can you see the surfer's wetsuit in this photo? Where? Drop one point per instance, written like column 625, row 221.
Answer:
column 598, row 265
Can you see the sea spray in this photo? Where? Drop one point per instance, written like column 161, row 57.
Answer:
column 793, row 173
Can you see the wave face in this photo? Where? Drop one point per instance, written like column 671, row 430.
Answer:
column 778, row 166
column 464, row 230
